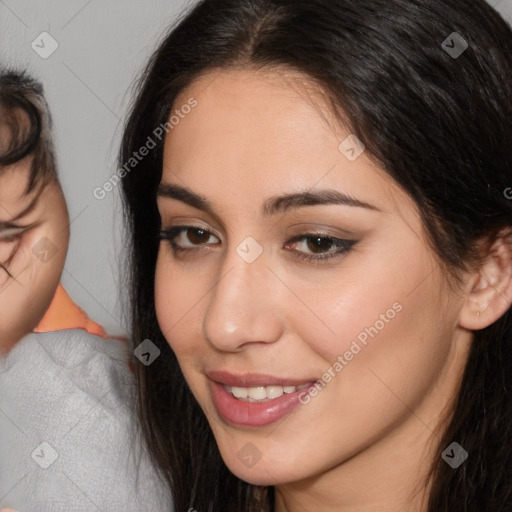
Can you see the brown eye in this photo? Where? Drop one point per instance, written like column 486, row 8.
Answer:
column 198, row 236
column 319, row 244
column 315, row 246
column 186, row 238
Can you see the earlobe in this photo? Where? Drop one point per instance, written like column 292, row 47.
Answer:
column 490, row 294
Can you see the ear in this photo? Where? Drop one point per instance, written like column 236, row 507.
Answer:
column 490, row 287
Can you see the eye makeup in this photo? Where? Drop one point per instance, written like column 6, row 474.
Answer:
column 321, row 246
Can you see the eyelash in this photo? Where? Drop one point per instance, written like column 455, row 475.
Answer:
column 171, row 234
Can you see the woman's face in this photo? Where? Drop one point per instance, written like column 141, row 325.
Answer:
column 298, row 261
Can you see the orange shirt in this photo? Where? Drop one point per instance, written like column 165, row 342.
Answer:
column 63, row 313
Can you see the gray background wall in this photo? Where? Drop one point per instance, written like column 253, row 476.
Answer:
column 102, row 44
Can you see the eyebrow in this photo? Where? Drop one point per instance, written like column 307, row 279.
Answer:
column 272, row 205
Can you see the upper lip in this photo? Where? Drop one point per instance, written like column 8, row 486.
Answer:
column 248, row 380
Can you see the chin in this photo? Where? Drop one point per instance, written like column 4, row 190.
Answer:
column 256, row 477
column 268, row 472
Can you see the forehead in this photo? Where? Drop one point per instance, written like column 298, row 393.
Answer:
column 257, row 134
column 262, row 103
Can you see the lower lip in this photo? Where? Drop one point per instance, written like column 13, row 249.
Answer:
column 252, row 414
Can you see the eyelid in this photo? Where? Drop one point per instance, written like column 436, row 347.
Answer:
column 321, row 230
column 187, row 222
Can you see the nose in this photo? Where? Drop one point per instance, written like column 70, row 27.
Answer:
column 244, row 306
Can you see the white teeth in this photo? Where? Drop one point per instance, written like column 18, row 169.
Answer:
column 239, row 392
column 274, row 391
column 262, row 393
column 258, row 393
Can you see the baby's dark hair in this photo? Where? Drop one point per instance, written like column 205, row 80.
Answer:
column 25, row 127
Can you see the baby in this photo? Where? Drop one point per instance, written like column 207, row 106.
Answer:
column 68, row 436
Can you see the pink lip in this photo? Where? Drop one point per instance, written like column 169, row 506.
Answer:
column 252, row 414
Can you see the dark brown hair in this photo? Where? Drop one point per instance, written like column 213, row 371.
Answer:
column 25, row 127
column 439, row 124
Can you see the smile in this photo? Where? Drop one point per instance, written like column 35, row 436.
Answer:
column 262, row 393
column 254, row 400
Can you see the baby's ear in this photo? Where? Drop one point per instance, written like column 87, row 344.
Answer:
column 490, row 293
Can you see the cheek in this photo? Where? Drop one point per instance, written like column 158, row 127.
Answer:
column 25, row 298
column 345, row 313
column 390, row 352
column 178, row 312
column 163, row 295
column 378, row 331
column 174, row 300
column 46, row 254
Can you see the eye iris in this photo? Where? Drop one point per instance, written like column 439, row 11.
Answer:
column 319, row 244
column 201, row 238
